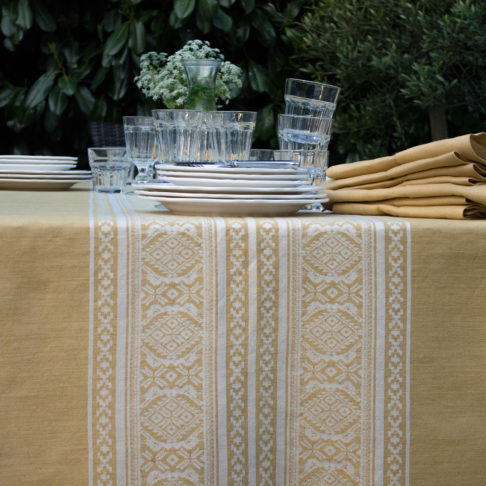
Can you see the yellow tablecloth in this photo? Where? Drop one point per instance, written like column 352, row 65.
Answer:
column 142, row 348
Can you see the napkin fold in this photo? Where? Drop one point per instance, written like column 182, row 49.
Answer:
column 442, row 179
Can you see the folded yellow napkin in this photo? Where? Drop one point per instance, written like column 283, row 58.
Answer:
column 471, row 147
column 442, row 179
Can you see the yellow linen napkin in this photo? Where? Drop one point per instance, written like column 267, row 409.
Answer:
column 475, row 193
column 447, row 165
column 471, row 147
column 451, row 211
column 468, row 202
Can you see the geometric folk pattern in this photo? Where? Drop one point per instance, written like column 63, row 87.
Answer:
column 248, row 351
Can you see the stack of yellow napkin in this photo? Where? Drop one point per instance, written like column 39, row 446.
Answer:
column 442, row 179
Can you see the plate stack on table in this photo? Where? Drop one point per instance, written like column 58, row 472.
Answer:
column 241, row 189
column 39, row 172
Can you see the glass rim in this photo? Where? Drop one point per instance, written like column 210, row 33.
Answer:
column 201, row 61
column 304, row 117
column 108, row 147
column 313, row 83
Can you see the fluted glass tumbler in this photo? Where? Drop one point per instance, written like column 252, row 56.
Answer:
column 109, row 167
column 310, row 98
column 303, row 132
column 179, row 135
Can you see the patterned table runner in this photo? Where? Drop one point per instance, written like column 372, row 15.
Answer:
column 248, row 351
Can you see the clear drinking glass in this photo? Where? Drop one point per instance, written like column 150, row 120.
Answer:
column 303, row 132
column 309, row 98
column 215, row 137
column 180, row 135
column 238, row 127
column 140, row 143
column 109, row 167
column 314, row 161
column 261, row 154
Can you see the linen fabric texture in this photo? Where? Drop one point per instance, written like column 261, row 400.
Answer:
column 441, row 179
column 142, row 348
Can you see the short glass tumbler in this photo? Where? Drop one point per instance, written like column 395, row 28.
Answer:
column 238, row 127
column 309, row 98
column 109, row 167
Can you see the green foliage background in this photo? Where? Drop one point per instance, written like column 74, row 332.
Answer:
column 410, row 71
column 64, row 64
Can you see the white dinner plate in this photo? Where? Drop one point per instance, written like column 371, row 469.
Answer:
column 235, row 176
column 162, row 186
column 189, row 181
column 37, row 158
column 202, row 195
column 44, row 166
column 37, row 184
column 38, row 173
column 43, row 177
column 224, row 207
column 213, row 168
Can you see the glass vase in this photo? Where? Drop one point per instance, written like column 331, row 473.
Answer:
column 201, row 81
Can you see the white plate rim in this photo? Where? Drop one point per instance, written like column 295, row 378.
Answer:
column 42, row 167
column 257, row 207
column 187, row 181
column 42, row 177
column 39, row 157
column 45, row 172
column 229, row 190
column 240, row 197
column 224, row 169
column 241, row 177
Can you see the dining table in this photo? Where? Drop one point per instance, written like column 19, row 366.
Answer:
column 142, row 347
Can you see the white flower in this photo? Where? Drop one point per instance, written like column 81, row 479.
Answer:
column 164, row 78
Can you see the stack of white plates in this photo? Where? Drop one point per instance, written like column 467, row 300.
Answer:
column 39, row 172
column 254, row 189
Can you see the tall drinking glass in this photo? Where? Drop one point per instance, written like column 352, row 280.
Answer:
column 303, row 132
column 140, row 143
column 309, row 98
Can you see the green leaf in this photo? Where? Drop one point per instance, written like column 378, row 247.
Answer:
column 257, row 76
column 71, row 53
column 99, row 77
column 265, row 29
column 85, row 99
column 8, row 25
column 67, row 85
column 203, row 21
column 242, row 32
column 117, row 39
column 228, row 3
column 223, row 21
column 39, row 90
column 121, row 82
column 136, row 40
column 57, row 101
column 6, row 95
column 175, row 21
column 248, row 6
column 265, row 125
column 99, row 109
column 43, row 17
column 25, row 16
column 111, row 20
column 51, row 121
column 184, row 8
column 209, row 7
